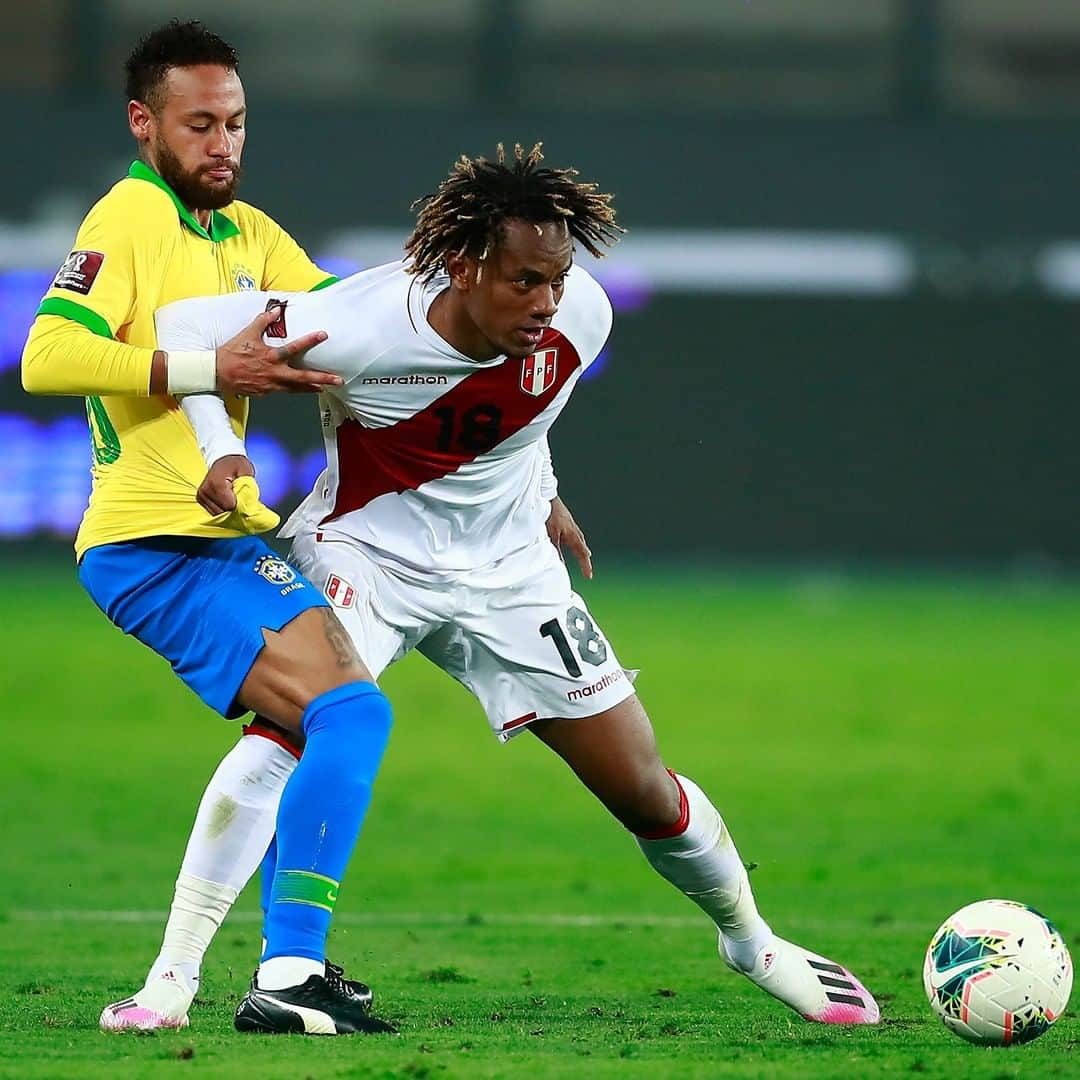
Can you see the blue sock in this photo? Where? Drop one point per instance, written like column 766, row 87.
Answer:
column 322, row 808
column 266, row 880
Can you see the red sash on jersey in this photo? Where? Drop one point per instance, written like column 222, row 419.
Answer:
column 481, row 411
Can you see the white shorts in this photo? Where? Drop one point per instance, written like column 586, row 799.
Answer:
column 527, row 650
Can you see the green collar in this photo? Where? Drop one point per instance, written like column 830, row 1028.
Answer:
column 221, row 227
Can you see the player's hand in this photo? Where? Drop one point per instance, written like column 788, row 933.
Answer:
column 246, row 365
column 563, row 531
column 215, row 494
column 231, row 496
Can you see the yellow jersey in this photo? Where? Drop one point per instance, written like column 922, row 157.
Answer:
column 138, row 249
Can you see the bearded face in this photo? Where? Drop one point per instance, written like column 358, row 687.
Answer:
column 192, row 133
column 204, row 186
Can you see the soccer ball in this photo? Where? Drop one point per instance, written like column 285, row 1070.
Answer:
column 997, row 972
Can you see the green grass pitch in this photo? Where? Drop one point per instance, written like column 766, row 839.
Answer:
column 884, row 752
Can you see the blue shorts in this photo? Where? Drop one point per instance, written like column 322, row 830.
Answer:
column 201, row 604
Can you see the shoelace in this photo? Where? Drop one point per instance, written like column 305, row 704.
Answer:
column 335, row 981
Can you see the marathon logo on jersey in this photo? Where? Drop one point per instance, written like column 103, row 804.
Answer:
column 277, row 328
column 404, row 380
column 538, row 371
column 339, row 592
column 276, row 571
column 79, row 271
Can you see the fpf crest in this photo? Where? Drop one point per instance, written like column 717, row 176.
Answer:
column 538, row 371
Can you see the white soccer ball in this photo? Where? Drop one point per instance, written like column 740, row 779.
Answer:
column 998, row 972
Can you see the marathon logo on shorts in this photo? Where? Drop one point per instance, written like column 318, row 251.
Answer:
column 277, row 328
column 538, row 371
column 276, row 571
column 596, row 687
column 339, row 592
column 79, row 271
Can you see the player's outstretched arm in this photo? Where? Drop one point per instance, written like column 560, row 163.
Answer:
column 216, row 344
column 246, row 365
column 62, row 356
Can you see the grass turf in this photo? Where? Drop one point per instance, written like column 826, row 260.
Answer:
column 885, row 752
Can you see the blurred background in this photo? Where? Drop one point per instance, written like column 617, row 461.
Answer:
column 846, row 307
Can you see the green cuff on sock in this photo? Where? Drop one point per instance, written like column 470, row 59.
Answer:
column 304, row 887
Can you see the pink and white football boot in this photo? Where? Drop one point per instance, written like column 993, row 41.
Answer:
column 161, row 1004
column 816, row 988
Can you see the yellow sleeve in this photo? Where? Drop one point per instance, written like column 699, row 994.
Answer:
column 287, row 264
column 64, row 356
column 70, row 348
column 99, row 275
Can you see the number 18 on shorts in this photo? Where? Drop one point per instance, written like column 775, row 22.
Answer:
column 517, row 635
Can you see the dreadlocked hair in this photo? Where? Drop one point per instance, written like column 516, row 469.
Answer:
column 468, row 210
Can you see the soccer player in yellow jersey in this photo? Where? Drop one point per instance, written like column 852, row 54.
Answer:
column 240, row 626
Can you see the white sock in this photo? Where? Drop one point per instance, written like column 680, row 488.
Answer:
column 702, row 863
column 198, row 909
column 232, row 831
column 281, row 972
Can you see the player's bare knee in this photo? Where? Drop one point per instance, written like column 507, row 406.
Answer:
column 648, row 803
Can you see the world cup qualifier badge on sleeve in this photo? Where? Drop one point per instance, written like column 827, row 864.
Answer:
column 78, row 271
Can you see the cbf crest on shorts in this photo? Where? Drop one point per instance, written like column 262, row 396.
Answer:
column 276, row 571
column 538, row 371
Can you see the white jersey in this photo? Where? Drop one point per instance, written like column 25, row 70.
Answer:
column 435, row 461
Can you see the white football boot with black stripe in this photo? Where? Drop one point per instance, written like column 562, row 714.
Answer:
column 816, row 988
column 160, row 1005
column 322, row 1005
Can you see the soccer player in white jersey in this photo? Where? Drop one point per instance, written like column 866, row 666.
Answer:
column 436, row 521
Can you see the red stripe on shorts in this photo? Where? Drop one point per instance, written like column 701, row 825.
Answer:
column 518, row 722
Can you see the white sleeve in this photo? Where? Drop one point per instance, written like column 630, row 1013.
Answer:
column 213, row 429
column 209, row 321
column 205, row 322
column 585, row 314
column 549, row 484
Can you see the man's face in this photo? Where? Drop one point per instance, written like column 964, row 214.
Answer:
column 195, row 137
column 513, row 294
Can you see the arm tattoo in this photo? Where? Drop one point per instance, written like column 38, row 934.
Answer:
column 338, row 639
